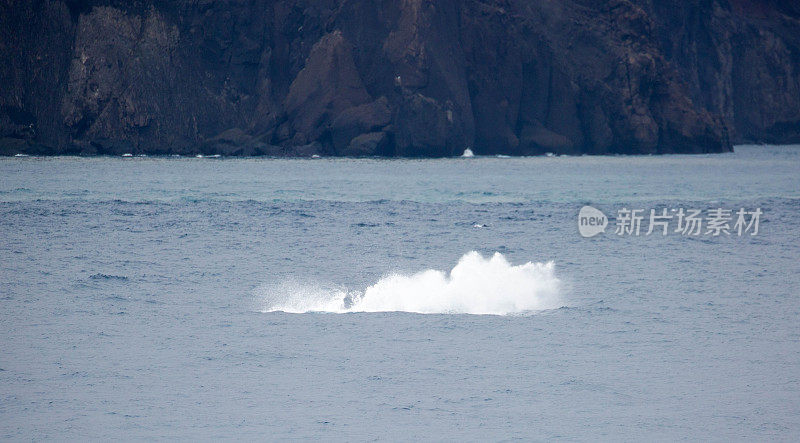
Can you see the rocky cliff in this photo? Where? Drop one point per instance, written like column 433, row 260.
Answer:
column 396, row 77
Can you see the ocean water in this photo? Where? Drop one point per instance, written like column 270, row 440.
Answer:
column 344, row 299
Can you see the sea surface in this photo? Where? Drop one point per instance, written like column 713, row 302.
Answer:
column 362, row 299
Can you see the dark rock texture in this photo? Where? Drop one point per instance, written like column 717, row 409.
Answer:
column 740, row 59
column 396, row 77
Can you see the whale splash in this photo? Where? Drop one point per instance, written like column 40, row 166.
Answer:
column 476, row 285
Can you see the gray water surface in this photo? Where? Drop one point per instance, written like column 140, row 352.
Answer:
column 134, row 297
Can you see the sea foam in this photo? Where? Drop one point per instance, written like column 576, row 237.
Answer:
column 476, row 285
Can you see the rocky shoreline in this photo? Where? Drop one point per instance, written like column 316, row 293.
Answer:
column 410, row 78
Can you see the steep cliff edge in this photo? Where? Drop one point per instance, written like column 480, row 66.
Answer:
column 741, row 60
column 395, row 78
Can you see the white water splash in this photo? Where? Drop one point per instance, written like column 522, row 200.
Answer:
column 476, row 285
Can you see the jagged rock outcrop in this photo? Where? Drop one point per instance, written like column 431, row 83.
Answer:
column 396, row 78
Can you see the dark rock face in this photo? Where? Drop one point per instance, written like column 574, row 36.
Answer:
column 396, row 78
column 741, row 61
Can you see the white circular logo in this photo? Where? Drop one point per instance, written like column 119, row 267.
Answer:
column 591, row 221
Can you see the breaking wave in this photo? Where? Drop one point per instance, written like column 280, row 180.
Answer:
column 476, row 285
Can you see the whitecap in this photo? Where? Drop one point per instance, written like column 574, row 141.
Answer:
column 476, row 285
